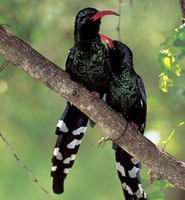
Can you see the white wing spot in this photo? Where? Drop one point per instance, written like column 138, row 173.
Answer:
column 55, row 152
column 120, row 168
column 139, row 193
column 141, row 103
column 104, row 97
column 74, row 143
column 133, row 172
column 66, row 170
column 60, row 122
column 67, row 160
column 81, row 129
column 73, row 156
column 62, row 126
column 59, row 156
column 126, row 187
column 54, row 168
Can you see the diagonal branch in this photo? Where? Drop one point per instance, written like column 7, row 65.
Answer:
column 161, row 165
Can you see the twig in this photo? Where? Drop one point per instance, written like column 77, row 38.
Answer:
column 119, row 21
column 35, row 180
column 4, row 65
column 6, row 25
column 166, row 142
column 182, row 5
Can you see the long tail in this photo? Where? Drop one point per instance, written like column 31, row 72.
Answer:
column 70, row 130
column 128, row 172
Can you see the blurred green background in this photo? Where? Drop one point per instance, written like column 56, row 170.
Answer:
column 29, row 111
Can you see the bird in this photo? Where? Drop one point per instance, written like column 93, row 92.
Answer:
column 127, row 96
column 87, row 64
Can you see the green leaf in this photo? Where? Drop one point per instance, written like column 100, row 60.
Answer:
column 166, row 41
column 162, row 185
column 180, row 44
column 175, row 37
column 175, row 67
column 145, row 183
column 165, row 82
column 168, row 62
column 157, row 196
column 172, row 49
column 182, row 36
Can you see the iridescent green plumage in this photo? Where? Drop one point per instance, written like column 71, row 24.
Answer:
column 126, row 92
column 126, row 95
column 88, row 63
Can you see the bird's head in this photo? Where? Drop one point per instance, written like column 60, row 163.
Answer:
column 119, row 52
column 88, row 22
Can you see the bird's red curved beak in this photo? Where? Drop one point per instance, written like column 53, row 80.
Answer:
column 100, row 14
column 108, row 41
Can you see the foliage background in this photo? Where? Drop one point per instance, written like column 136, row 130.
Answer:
column 29, row 111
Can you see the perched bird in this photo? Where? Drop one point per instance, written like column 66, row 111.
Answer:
column 126, row 95
column 87, row 64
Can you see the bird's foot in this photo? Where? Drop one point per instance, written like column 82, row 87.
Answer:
column 96, row 95
column 120, row 114
column 135, row 126
column 102, row 141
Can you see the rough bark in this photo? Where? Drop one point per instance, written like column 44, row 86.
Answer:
column 162, row 166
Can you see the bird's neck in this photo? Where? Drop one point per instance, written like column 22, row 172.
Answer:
column 87, row 44
column 122, row 71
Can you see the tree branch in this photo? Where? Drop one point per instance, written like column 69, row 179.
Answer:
column 162, row 166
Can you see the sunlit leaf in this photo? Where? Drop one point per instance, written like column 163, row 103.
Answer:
column 176, row 68
column 162, row 185
column 164, row 62
column 164, row 83
column 157, row 196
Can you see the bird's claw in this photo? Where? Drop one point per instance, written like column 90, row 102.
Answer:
column 135, row 126
column 96, row 95
column 102, row 141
